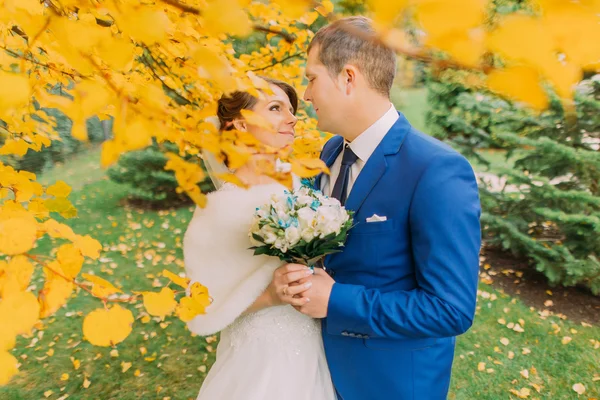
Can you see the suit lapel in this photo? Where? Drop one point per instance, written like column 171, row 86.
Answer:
column 376, row 164
column 367, row 179
column 329, row 160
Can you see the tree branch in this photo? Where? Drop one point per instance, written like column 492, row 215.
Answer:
column 278, row 62
column 183, row 7
column 286, row 36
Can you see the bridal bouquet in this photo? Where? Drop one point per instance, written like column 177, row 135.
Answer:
column 300, row 226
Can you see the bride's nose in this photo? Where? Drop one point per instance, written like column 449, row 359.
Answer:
column 291, row 120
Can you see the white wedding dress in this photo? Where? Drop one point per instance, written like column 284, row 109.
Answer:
column 274, row 354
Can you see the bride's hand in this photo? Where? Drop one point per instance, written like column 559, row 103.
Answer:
column 285, row 285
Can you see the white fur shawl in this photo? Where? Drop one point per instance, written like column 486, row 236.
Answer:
column 216, row 254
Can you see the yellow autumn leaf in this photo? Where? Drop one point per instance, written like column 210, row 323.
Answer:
column 59, row 189
column 55, row 293
column 17, row 234
column 117, row 53
column 62, row 206
column 385, row 11
column 520, row 84
column 70, row 260
column 125, row 366
column 100, row 287
column 226, row 16
column 79, row 129
column 16, row 147
column 19, row 311
column 8, row 367
column 7, row 338
column 441, row 17
column 103, row 327
column 466, row 47
column 176, row 279
column 145, row 24
column 91, row 97
column 212, row 65
column 257, row 120
column 293, row 9
column 160, row 304
column 522, row 393
column 194, row 304
column 16, row 91
column 86, row 383
column 76, row 363
column 15, row 275
column 325, row 8
column 88, row 246
column 308, row 167
column 522, row 39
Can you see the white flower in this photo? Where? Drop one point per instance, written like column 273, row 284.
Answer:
column 309, row 234
column 268, row 234
column 329, row 220
column 306, row 217
column 281, row 244
column 292, row 235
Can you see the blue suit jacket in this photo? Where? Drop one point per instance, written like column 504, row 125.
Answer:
column 407, row 286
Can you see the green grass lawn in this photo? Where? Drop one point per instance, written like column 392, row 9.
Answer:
column 162, row 360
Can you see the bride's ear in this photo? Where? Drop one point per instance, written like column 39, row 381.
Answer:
column 240, row 124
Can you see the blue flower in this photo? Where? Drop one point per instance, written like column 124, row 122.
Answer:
column 315, row 204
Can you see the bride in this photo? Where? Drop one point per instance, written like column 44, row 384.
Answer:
column 267, row 350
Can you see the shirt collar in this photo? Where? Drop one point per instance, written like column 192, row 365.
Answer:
column 366, row 143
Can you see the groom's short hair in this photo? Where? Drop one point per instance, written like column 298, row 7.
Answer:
column 353, row 40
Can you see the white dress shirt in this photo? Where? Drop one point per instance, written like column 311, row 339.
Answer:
column 363, row 146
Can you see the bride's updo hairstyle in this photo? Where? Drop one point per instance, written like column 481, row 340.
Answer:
column 230, row 106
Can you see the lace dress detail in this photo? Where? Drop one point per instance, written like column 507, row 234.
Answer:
column 281, row 327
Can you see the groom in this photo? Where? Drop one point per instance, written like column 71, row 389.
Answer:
column 405, row 286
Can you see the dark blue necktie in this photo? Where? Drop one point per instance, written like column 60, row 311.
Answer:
column 340, row 190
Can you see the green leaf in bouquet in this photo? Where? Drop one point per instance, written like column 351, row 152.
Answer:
column 259, row 251
column 258, row 238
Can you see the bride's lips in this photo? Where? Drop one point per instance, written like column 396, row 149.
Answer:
column 287, row 133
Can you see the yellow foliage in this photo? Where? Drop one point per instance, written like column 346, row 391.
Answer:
column 70, row 259
column 15, row 275
column 160, row 304
column 56, row 291
column 59, row 189
column 194, row 304
column 520, row 84
column 8, row 367
column 107, row 327
column 100, row 287
column 19, row 311
column 18, row 232
column 176, row 279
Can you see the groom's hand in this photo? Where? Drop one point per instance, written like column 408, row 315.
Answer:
column 318, row 293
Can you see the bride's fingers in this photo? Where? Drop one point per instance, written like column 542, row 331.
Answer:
column 296, row 276
column 287, row 268
column 297, row 289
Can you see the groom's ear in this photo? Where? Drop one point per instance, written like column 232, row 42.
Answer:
column 349, row 75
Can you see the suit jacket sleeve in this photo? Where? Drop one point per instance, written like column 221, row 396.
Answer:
column 446, row 238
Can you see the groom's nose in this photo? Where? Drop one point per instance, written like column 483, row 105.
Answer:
column 306, row 96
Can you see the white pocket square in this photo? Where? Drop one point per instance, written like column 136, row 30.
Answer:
column 376, row 218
